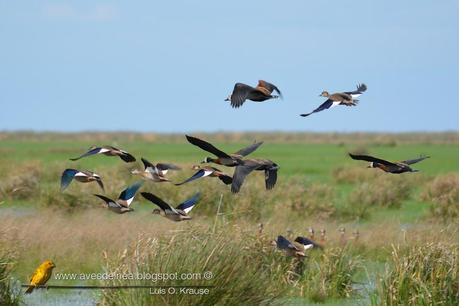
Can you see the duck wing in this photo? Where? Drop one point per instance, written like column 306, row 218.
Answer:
column 372, row 159
column 204, row 145
column 249, row 149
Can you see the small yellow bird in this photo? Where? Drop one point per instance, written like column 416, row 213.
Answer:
column 41, row 275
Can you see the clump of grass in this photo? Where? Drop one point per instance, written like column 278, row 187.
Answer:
column 22, row 183
column 330, row 275
column 352, row 175
column 52, row 197
column 425, row 275
column 9, row 294
column 242, row 274
column 443, row 192
column 387, row 192
column 314, row 199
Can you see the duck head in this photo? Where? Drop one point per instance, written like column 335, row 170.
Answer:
column 324, row 94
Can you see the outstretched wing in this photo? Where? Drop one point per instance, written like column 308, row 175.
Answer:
column 413, row 161
column 283, row 243
column 200, row 173
column 326, row 105
column 91, row 151
column 155, row 200
column 125, row 156
column 148, row 166
column 204, row 145
column 247, row 150
column 269, row 87
column 307, row 243
column 361, row 88
column 108, row 201
column 371, row 159
column 270, row 178
column 240, row 93
column 165, row 166
column 67, row 177
column 127, row 195
column 240, row 173
column 188, row 205
column 101, row 185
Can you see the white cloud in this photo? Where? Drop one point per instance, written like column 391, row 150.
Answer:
column 67, row 11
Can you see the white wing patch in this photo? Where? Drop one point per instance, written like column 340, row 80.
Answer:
column 80, row 174
column 354, row 96
column 103, row 150
column 187, row 210
column 207, row 173
column 336, row 103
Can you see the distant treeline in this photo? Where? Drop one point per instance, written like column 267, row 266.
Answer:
column 276, row 137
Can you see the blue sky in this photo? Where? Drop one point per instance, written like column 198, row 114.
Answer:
column 167, row 66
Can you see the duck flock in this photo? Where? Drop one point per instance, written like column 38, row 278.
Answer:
column 243, row 166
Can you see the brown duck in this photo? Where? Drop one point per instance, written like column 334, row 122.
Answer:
column 262, row 92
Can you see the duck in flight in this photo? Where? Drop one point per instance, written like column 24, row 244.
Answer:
column 229, row 160
column 108, row 151
column 123, row 203
column 269, row 167
column 210, row 172
column 180, row 213
column 348, row 98
column 155, row 173
column 387, row 166
column 81, row 176
column 262, row 92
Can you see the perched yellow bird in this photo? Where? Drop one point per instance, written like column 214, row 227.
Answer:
column 41, row 275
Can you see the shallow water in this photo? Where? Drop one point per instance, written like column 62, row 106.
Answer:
column 55, row 298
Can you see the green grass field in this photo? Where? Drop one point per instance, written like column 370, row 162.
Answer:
column 39, row 222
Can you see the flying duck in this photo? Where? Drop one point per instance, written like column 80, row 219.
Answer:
column 123, row 203
column 81, row 176
column 229, row 160
column 348, row 98
column 108, row 151
column 290, row 248
column 262, row 92
column 180, row 213
column 269, row 167
column 208, row 171
column 154, row 172
column 390, row 167
column 307, row 243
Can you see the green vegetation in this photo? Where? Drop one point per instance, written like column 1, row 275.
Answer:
column 318, row 186
column 422, row 275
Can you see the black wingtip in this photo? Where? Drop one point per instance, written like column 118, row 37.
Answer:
column 304, row 115
column 361, row 87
